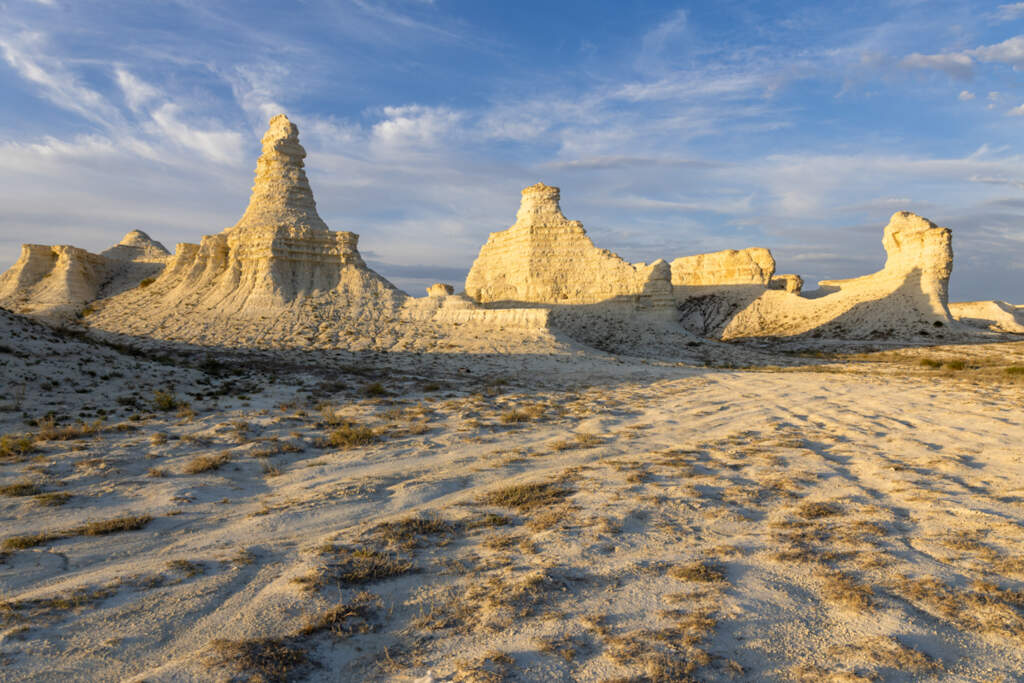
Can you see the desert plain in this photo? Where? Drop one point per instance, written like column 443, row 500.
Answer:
column 256, row 459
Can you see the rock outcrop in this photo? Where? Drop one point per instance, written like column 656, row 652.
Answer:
column 279, row 274
column 59, row 281
column 545, row 258
column 789, row 282
column 998, row 316
column 440, row 289
column 907, row 298
column 753, row 266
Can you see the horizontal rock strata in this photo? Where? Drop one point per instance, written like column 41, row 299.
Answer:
column 545, row 258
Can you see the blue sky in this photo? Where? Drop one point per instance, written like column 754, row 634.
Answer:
column 672, row 128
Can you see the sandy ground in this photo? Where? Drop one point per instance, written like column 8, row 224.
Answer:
column 535, row 518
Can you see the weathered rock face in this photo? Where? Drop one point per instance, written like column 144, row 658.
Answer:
column 58, row 281
column 789, row 282
column 998, row 316
column 753, row 266
column 279, row 263
column 548, row 259
column 908, row 297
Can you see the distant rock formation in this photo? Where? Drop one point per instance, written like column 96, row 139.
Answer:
column 59, row 281
column 907, row 298
column 753, row 266
column 440, row 289
column 277, row 274
column 997, row 316
column 789, row 282
column 545, row 258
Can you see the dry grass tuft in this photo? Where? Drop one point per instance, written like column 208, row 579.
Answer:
column 101, row 528
column 52, row 499
column 24, row 488
column 351, row 436
column 266, row 660
column 408, row 532
column 818, row 510
column 358, row 615
column 206, row 463
column 15, row 447
column 703, row 572
column 526, row 497
column 842, row 589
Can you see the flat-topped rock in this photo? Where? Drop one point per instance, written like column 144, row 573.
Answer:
column 753, row 266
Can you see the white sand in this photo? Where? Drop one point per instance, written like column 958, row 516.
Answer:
column 919, row 471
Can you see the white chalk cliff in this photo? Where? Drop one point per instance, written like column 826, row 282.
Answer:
column 548, row 259
column 59, row 281
column 908, row 297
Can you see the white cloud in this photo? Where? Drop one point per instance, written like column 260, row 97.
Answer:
column 136, row 91
column 1009, row 51
column 965, row 96
column 28, row 54
column 414, row 126
column 1017, row 111
column 222, row 146
column 956, row 64
column 1010, row 12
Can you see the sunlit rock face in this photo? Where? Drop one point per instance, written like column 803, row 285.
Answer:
column 59, row 281
column 546, row 258
column 907, row 298
column 279, row 263
column 753, row 266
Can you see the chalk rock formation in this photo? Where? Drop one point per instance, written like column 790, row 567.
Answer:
column 908, row 297
column 753, row 266
column 998, row 316
column 788, row 282
column 58, row 281
column 546, row 258
column 440, row 289
column 52, row 280
column 137, row 247
column 280, row 264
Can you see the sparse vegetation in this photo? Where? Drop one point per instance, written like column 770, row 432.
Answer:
column 206, row 463
column 165, row 401
column 267, row 660
column 100, row 528
column 24, row 488
column 703, row 572
column 16, row 446
column 351, row 436
column 526, row 497
column 358, row 615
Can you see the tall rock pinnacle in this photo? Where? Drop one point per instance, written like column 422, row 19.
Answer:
column 281, row 196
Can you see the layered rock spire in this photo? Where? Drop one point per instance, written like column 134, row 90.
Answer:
column 281, row 195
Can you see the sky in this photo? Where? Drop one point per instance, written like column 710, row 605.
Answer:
column 671, row 128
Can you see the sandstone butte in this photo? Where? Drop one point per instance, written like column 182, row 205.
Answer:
column 281, row 277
